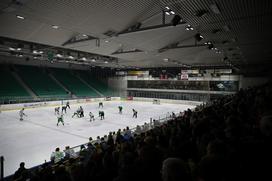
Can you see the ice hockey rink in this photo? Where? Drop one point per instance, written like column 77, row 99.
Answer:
column 33, row 139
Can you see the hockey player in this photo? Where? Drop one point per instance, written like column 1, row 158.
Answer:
column 101, row 115
column 91, row 116
column 120, row 109
column 57, row 110
column 22, row 114
column 63, row 108
column 60, row 119
column 134, row 113
column 76, row 114
column 68, row 104
column 100, row 104
column 81, row 112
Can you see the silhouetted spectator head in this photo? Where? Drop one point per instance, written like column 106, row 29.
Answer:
column 57, row 149
column 175, row 169
column 22, row 165
column 82, row 147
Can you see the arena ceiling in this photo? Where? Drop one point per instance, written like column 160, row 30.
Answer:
column 140, row 33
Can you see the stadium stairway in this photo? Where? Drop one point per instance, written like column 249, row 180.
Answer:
column 94, row 82
column 72, row 83
column 37, row 80
column 61, row 85
column 10, row 88
column 23, row 84
column 83, row 81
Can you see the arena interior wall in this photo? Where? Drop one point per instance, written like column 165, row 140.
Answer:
column 8, row 107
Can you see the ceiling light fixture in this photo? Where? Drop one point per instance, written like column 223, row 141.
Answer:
column 83, row 58
column 12, row 49
column 172, row 12
column 167, row 8
column 93, row 60
column 208, row 43
column 55, row 26
column 20, row 17
column 19, row 49
column 189, row 27
column 167, row 13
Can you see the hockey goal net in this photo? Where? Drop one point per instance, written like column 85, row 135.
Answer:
column 156, row 101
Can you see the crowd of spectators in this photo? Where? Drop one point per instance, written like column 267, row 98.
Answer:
column 185, row 85
column 169, row 84
column 228, row 139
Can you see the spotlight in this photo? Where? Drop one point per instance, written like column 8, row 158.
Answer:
column 208, row 43
column 189, row 27
column 55, row 26
column 20, row 17
column 175, row 21
column 198, row 37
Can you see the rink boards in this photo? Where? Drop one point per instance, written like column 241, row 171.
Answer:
column 9, row 107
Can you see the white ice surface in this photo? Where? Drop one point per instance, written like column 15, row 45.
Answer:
column 33, row 140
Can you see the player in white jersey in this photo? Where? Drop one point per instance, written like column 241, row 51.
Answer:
column 91, row 116
column 22, row 114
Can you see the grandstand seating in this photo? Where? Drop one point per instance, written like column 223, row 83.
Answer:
column 10, row 87
column 95, row 83
column 40, row 83
column 72, row 83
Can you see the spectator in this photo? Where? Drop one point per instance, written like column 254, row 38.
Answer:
column 69, row 153
column 22, row 173
column 57, row 156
